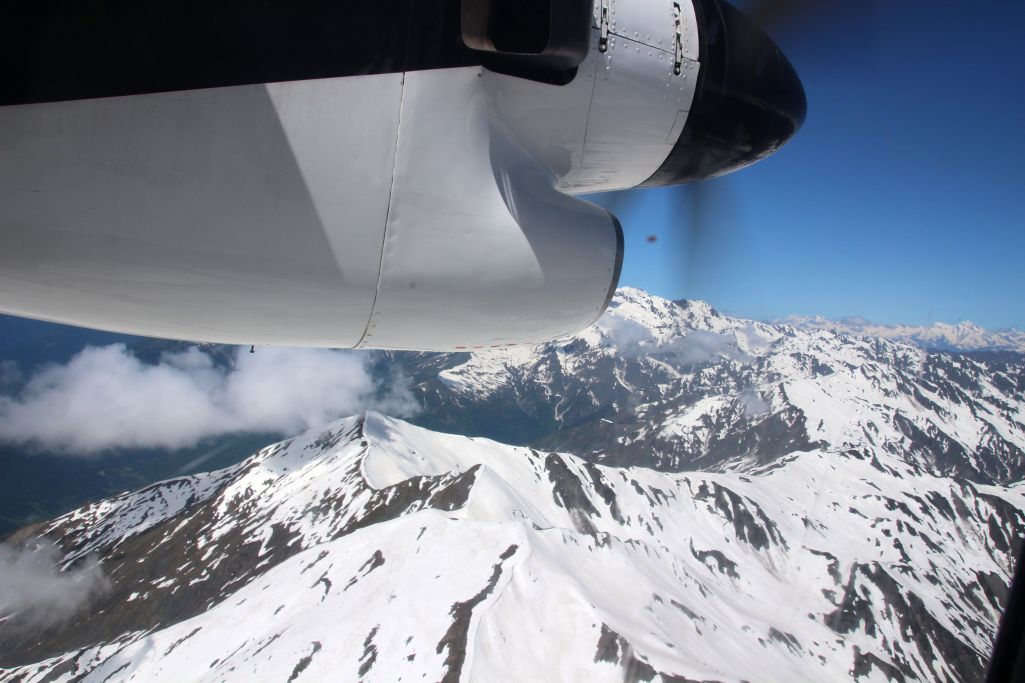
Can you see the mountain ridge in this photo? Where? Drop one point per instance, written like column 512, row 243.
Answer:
column 557, row 397
column 694, row 497
column 679, row 386
column 939, row 336
column 657, row 576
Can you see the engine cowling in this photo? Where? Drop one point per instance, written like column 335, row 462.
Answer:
column 481, row 249
column 412, row 190
column 389, row 211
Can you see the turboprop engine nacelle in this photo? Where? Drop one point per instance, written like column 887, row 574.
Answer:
column 358, row 175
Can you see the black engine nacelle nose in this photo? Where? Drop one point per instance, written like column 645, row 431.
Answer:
column 748, row 102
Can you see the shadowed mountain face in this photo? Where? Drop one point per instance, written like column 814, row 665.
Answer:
column 692, row 497
column 677, row 386
column 670, row 385
column 376, row 549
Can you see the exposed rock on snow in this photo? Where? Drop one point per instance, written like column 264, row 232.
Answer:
column 677, row 386
column 696, row 497
column 380, row 550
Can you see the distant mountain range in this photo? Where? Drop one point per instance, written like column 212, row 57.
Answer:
column 964, row 336
column 678, row 386
column 689, row 497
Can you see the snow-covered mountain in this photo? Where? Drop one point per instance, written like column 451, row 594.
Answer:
column 678, row 386
column 693, row 497
column 963, row 336
column 377, row 550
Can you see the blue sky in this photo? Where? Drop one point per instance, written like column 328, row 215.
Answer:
column 902, row 199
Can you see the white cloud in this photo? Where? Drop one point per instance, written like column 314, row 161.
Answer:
column 633, row 339
column 36, row 590
column 106, row 398
column 10, row 374
column 626, row 334
column 701, row 346
column 753, row 404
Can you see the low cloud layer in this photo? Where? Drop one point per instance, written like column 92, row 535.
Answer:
column 34, row 589
column 106, row 398
column 753, row 403
column 10, row 374
column 632, row 338
column 700, row 346
column 624, row 333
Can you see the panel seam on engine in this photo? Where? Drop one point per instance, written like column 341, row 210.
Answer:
column 387, row 216
column 590, row 101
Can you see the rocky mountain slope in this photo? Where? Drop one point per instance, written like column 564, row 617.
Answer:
column 678, row 386
column 672, row 385
column 378, row 550
column 693, row 497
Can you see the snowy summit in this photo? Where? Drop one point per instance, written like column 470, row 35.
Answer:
column 704, row 498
